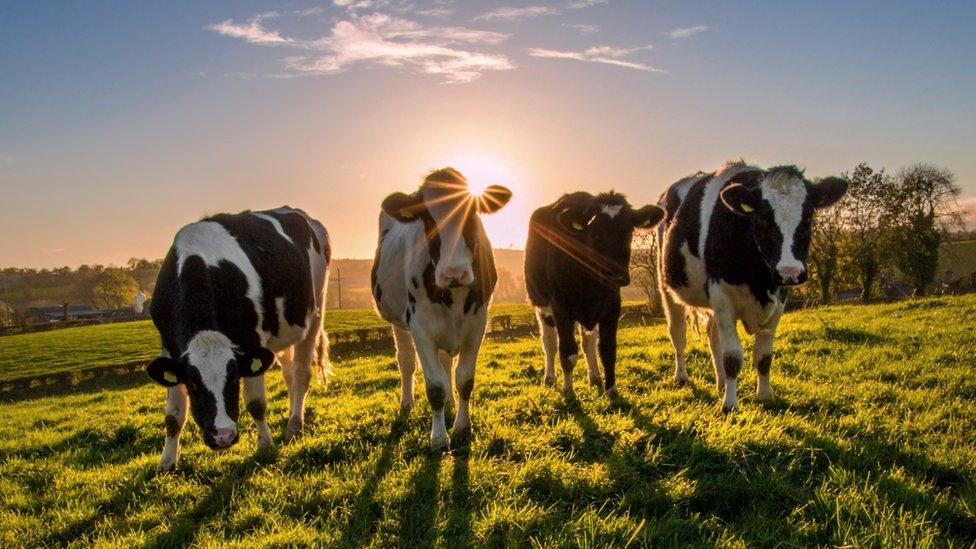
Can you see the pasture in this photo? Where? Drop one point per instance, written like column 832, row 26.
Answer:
column 869, row 440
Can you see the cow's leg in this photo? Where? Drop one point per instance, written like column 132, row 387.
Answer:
column 608, row 350
column 407, row 363
column 715, row 346
column 177, row 403
column 589, row 338
column 257, row 406
column 678, row 330
column 447, row 364
column 547, row 327
column 762, row 355
column 436, row 388
column 301, row 373
column 568, row 351
column 731, row 351
column 287, row 359
column 467, row 359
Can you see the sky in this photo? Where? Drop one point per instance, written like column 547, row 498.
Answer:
column 122, row 121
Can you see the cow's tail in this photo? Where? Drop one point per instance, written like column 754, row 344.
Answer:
column 323, row 366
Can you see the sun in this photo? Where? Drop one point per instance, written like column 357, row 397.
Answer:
column 482, row 169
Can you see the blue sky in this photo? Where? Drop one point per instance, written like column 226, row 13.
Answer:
column 122, row 121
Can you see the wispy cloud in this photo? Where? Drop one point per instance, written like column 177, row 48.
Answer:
column 314, row 10
column 252, row 30
column 583, row 28
column 608, row 55
column 384, row 40
column 580, row 4
column 512, row 13
column 398, row 6
column 436, row 12
column 685, row 32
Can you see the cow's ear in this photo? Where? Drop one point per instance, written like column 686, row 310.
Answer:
column 741, row 199
column 255, row 363
column 166, row 371
column 572, row 220
column 404, row 207
column 828, row 191
column 493, row 199
column 648, row 216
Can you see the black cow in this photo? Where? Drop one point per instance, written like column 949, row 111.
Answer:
column 732, row 241
column 234, row 291
column 432, row 279
column 576, row 260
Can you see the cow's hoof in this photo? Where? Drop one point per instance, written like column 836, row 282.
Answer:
column 406, row 407
column 439, row 445
column 549, row 381
column 680, row 381
column 726, row 409
column 596, row 381
column 764, row 396
column 265, row 443
column 293, row 430
column 612, row 392
column 165, row 466
column 462, row 431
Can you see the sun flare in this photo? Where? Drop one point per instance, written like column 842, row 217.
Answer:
column 482, row 170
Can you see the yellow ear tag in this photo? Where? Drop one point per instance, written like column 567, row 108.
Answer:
column 170, row 377
column 256, row 365
column 747, row 208
column 577, row 226
column 405, row 213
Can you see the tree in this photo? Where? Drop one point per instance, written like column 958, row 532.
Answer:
column 827, row 238
column 866, row 214
column 643, row 267
column 925, row 210
column 114, row 289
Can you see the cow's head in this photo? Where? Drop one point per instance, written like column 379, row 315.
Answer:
column 449, row 213
column 211, row 369
column 602, row 229
column 780, row 203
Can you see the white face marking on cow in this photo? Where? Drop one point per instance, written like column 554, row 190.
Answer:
column 211, row 242
column 449, row 205
column 612, row 211
column 209, row 352
column 786, row 195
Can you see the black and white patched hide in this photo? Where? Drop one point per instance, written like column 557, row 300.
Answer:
column 233, row 290
column 432, row 242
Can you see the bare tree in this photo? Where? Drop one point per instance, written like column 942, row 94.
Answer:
column 643, row 267
column 827, row 240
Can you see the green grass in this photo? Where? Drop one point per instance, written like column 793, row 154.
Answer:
column 869, row 441
column 112, row 344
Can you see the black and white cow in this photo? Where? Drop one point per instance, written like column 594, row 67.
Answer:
column 432, row 279
column 577, row 258
column 731, row 244
column 235, row 291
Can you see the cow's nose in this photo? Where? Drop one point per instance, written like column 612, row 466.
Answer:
column 453, row 276
column 791, row 274
column 225, row 437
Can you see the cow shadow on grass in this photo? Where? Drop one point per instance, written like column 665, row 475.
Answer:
column 367, row 512
column 229, row 485
column 770, row 482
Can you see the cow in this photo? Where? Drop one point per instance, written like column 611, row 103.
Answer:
column 432, row 280
column 235, row 292
column 731, row 244
column 577, row 258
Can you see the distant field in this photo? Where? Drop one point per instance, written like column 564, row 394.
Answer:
column 869, row 441
column 112, row 344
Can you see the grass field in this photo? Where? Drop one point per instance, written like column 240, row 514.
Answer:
column 112, row 344
column 869, row 440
